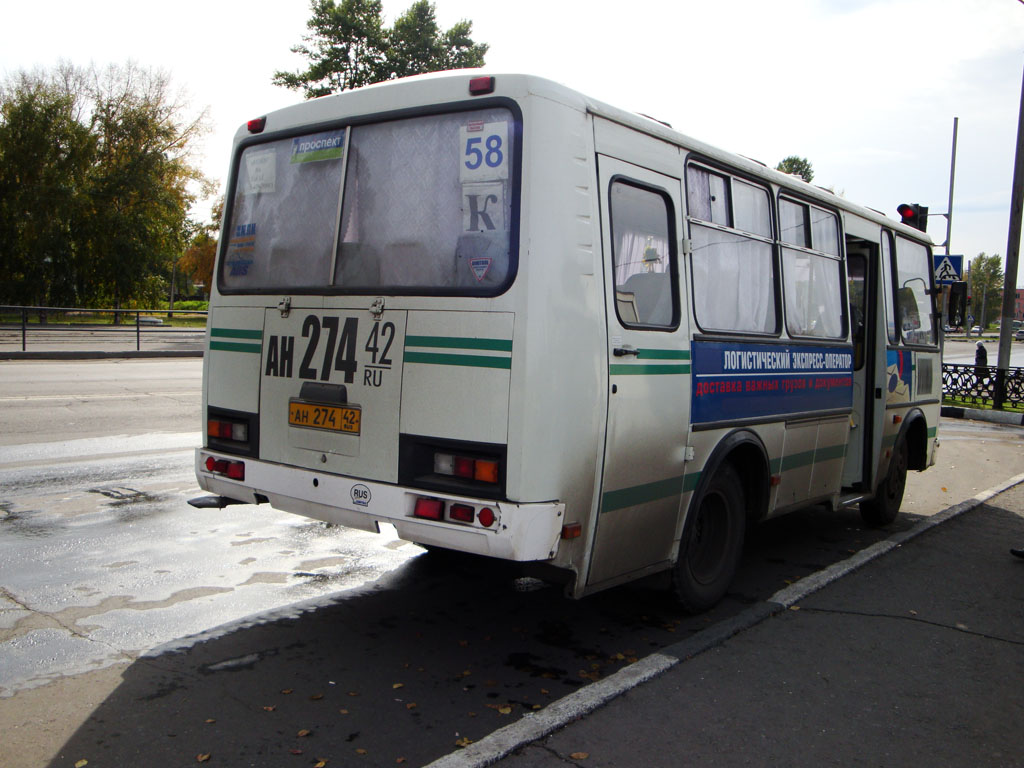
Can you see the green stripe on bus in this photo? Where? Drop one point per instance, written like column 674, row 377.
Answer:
column 231, row 346
column 633, row 369
column 470, row 361
column 642, row 494
column 235, row 333
column 806, row 458
column 453, row 342
column 662, row 354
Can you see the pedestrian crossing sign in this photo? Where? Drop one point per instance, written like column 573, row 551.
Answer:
column 948, row 269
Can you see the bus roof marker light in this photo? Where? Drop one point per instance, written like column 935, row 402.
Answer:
column 479, row 86
column 257, row 125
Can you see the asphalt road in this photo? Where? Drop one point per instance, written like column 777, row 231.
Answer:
column 128, row 619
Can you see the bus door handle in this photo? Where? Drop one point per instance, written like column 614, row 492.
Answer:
column 623, row 351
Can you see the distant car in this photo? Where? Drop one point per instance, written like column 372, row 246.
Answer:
column 976, row 329
column 146, row 320
column 1019, row 335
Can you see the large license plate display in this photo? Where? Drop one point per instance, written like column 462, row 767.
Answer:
column 333, row 418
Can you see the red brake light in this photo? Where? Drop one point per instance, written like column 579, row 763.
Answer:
column 257, row 125
column 463, row 467
column 462, row 513
column 429, row 509
column 478, row 86
column 232, row 469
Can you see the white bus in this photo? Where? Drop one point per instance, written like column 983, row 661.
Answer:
column 510, row 320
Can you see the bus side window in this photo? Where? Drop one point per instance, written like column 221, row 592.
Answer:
column 643, row 256
column 812, row 271
column 733, row 256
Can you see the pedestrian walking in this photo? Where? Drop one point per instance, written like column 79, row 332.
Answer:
column 981, row 356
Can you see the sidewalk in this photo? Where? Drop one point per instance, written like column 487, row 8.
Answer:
column 915, row 659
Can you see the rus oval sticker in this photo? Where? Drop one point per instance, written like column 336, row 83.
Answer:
column 361, row 495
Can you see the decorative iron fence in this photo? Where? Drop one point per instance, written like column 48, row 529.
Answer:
column 980, row 385
column 72, row 328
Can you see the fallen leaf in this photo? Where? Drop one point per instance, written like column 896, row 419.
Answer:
column 286, row 691
column 463, row 742
column 411, row 705
column 304, row 732
column 396, row 686
column 202, row 757
column 320, row 763
column 545, row 691
column 360, row 751
column 536, row 706
column 343, row 711
column 794, row 607
column 269, row 709
column 506, row 710
column 353, row 693
column 400, row 760
column 913, row 613
column 579, row 755
column 316, row 696
column 210, row 720
column 81, row 764
column 295, row 751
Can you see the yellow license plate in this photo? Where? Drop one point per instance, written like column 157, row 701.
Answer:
column 334, row 418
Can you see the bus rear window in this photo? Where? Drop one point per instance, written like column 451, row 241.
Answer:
column 420, row 205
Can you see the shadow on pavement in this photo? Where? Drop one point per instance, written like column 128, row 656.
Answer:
column 403, row 670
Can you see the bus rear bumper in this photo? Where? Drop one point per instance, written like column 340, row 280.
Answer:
column 519, row 532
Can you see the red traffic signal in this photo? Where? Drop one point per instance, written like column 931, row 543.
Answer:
column 914, row 215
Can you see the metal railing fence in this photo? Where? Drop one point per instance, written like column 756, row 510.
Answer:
column 983, row 385
column 60, row 327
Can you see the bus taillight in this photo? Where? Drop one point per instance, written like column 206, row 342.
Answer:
column 481, row 470
column 227, row 430
column 429, row 509
column 233, row 470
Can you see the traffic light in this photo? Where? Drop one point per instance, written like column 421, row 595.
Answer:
column 914, row 215
column 958, row 303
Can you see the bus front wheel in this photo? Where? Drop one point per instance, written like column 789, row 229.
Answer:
column 883, row 508
column 712, row 543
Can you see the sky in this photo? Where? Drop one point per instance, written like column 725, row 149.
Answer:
column 867, row 91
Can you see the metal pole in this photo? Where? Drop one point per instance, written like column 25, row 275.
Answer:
column 949, row 228
column 24, row 327
column 1012, row 255
column 952, row 177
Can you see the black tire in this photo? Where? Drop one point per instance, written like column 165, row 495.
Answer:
column 883, row 508
column 712, row 543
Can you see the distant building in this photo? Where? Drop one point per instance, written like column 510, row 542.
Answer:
column 1018, row 304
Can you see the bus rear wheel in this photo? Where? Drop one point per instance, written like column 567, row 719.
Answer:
column 712, row 543
column 883, row 508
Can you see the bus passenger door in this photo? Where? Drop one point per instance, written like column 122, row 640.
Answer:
column 861, row 258
column 648, row 371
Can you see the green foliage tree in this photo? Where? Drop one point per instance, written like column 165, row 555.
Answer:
column 45, row 158
column 986, row 284
column 798, row 166
column 348, row 46
column 96, row 179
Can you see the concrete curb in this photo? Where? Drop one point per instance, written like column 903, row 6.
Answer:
column 534, row 726
column 86, row 355
column 980, row 414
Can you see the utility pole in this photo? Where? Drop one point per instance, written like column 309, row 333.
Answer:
column 949, row 229
column 1012, row 255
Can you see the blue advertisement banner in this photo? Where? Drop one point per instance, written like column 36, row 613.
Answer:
column 740, row 380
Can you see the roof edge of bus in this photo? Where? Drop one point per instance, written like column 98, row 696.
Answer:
column 545, row 87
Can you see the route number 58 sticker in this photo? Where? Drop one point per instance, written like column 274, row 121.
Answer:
column 483, row 151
